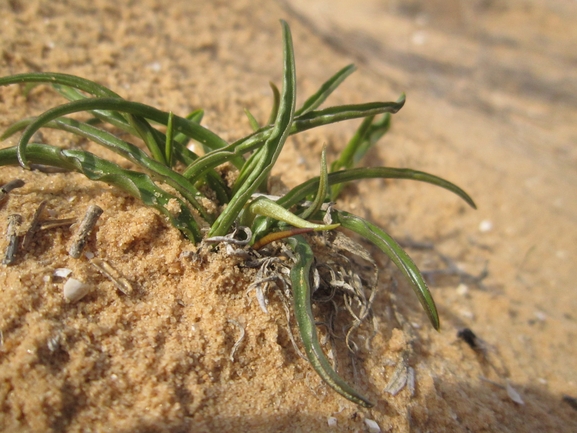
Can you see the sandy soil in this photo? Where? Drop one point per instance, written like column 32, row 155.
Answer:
column 491, row 105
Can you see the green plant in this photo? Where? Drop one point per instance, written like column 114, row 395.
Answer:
column 288, row 217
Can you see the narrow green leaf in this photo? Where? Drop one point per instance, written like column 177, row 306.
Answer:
column 135, row 183
column 181, row 153
column 323, row 187
column 251, row 119
column 137, row 156
column 112, row 117
column 300, row 275
column 64, row 79
column 310, row 120
column 376, row 131
column 42, row 154
column 275, row 103
column 299, row 193
column 16, row 127
column 366, row 136
column 326, row 89
column 399, row 257
column 149, row 135
column 313, row 119
column 271, row 148
column 254, row 162
column 168, row 145
column 346, row 158
column 196, row 117
column 191, row 129
column 267, row 207
column 71, row 87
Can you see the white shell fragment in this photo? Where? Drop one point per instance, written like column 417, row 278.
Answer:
column 62, row 272
column 75, row 290
column 513, row 394
column 372, row 426
column 462, row 289
column 411, row 381
column 398, row 380
column 332, row 421
column 485, row 226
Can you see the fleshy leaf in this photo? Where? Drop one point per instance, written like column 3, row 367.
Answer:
column 399, row 257
column 300, row 275
column 299, row 193
column 95, row 168
column 256, row 174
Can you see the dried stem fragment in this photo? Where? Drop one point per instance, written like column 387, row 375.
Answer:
column 52, row 224
column 84, row 231
column 34, row 226
column 238, row 341
column 5, row 189
column 113, row 275
column 14, row 222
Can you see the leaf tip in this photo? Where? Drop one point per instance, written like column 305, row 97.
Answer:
column 22, row 160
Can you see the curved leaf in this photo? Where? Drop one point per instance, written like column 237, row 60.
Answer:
column 181, row 124
column 64, row 79
column 135, row 183
column 322, row 190
column 300, row 274
column 137, row 156
column 299, row 193
column 275, row 103
column 310, row 120
column 256, row 175
column 339, row 113
column 326, row 89
column 268, row 208
column 134, row 154
column 399, row 257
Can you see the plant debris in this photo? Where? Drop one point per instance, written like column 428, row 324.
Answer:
column 84, row 230
column 113, row 275
column 14, row 222
column 571, row 401
column 5, row 189
column 34, row 226
column 238, row 342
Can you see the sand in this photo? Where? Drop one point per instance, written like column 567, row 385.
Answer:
column 490, row 105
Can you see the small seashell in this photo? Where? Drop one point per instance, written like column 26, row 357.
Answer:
column 62, row 272
column 372, row 426
column 485, row 226
column 411, row 381
column 398, row 380
column 75, row 290
column 332, row 421
column 462, row 289
column 513, row 394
